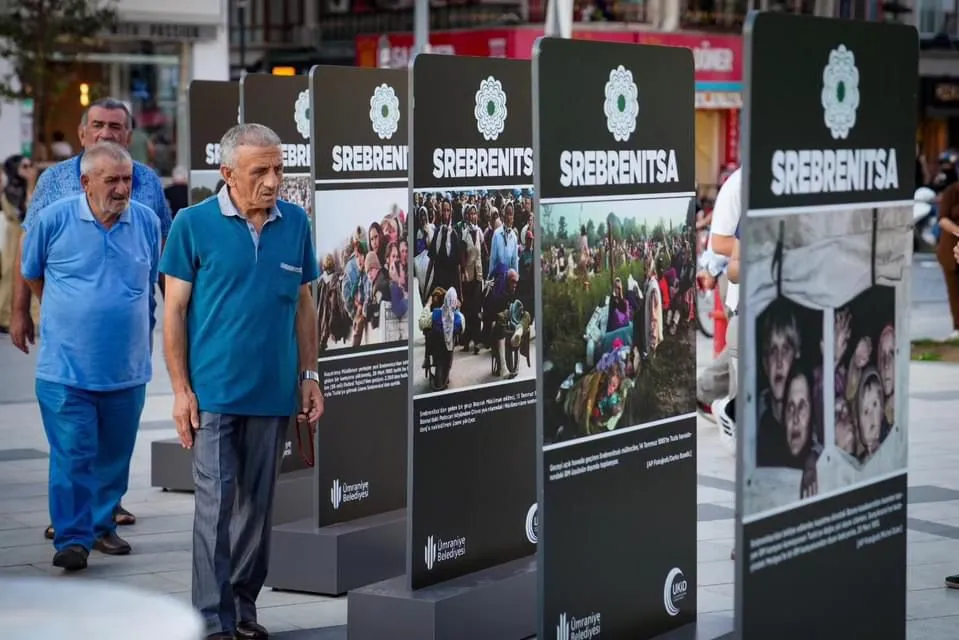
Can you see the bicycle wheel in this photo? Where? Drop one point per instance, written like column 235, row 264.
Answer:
column 705, row 305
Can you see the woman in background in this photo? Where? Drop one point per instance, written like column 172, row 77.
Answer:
column 19, row 180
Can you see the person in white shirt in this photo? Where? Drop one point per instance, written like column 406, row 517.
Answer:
column 717, row 380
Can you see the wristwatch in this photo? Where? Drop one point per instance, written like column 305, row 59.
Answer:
column 310, row 375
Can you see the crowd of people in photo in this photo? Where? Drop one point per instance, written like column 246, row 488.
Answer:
column 362, row 295
column 645, row 282
column 473, row 265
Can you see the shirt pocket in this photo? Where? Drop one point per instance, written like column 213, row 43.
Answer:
column 135, row 274
column 289, row 279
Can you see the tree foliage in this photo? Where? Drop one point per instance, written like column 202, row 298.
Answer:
column 42, row 39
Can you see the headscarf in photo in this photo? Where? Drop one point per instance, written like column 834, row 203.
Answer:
column 449, row 318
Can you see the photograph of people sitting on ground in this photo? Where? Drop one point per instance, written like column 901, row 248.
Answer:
column 789, row 383
column 362, row 297
column 472, row 263
column 619, row 329
column 865, row 373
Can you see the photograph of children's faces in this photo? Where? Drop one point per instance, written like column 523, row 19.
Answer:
column 789, row 383
column 619, row 338
column 865, row 372
column 361, row 245
column 472, row 260
column 204, row 184
column 299, row 191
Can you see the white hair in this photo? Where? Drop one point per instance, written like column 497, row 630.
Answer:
column 109, row 150
column 180, row 174
column 249, row 135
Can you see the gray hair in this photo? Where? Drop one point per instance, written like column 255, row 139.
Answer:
column 180, row 174
column 109, row 150
column 110, row 104
column 245, row 135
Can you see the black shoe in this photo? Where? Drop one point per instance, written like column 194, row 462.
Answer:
column 123, row 517
column 952, row 582
column 251, row 631
column 112, row 545
column 72, row 558
column 49, row 533
column 220, row 635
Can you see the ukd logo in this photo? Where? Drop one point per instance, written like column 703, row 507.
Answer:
column 840, row 92
column 336, row 494
column 490, row 109
column 622, row 103
column 430, row 553
column 674, row 591
column 301, row 114
column 384, row 111
column 562, row 629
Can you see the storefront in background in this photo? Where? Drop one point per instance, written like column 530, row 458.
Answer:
column 718, row 63
column 938, row 117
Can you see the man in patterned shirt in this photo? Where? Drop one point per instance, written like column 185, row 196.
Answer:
column 106, row 120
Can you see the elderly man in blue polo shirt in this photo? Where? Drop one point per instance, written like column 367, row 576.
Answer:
column 105, row 120
column 93, row 261
column 240, row 340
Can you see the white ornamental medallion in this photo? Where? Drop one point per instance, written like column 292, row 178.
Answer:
column 301, row 114
column 384, row 111
column 840, row 92
column 490, row 110
column 622, row 103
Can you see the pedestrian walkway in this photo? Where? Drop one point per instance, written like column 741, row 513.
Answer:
column 162, row 536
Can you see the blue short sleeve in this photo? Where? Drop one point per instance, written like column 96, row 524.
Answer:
column 162, row 209
column 179, row 259
column 310, row 267
column 44, row 194
column 36, row 241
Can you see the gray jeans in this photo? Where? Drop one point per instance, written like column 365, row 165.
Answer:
column 718, row 380
column 235, row 463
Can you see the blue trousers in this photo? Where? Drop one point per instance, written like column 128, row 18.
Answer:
column 91, row 436
column 236, row 460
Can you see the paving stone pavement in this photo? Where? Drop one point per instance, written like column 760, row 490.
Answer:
column 161, row 538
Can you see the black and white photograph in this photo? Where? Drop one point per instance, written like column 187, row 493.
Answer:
column 473, row 277
column 298, row 189
column 620, row 337
column 826, row 362
column 362, row 296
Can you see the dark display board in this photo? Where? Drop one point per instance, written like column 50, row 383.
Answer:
column 214, row 108
column 472, row 376
column 282, row 103
column 829, row 148
column 617, row 473
column 361, row 191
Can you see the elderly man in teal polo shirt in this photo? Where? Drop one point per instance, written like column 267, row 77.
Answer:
column 92, row 260
column 240, row 344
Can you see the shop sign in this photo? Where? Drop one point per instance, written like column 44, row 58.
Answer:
column 717, row 58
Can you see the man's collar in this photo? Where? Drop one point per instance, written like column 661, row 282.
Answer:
column 227, row 207
column 86, row 213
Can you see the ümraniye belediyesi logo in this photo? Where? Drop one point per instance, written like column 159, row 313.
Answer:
column 384, row 111
column 622, row 103
column 490, row 109
column 532, row 524
column 301, row 113
column 840, row 92
column 336, row 494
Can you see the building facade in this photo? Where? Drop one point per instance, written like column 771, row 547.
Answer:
column 148, row 60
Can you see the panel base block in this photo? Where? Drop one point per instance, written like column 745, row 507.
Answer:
column 499, row 602
column 335, row 559
column 171, row 466
column 171, row 469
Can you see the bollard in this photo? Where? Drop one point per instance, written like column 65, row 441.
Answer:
column 720, row 322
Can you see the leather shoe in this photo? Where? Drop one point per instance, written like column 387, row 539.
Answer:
column 251, row 631
column 220, row 635
column 71, row 558
column 112, row 545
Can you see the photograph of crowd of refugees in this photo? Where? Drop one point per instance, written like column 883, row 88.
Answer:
column 825, row 369
column 619, row 336
column 472, row 261
column 295, row 189
column 361, row 245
